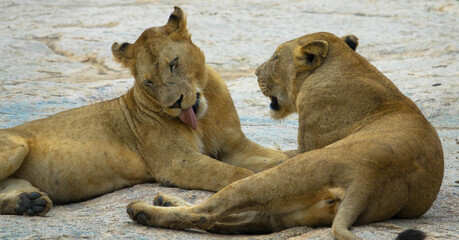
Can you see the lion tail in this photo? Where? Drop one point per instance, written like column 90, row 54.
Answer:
column 411, row 234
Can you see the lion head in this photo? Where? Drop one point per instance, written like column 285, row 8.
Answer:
column 281, row 76
column 168, row 68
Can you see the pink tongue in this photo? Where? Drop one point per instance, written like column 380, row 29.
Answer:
column 187, row 116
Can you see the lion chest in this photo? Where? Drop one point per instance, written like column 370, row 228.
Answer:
column 197, row 143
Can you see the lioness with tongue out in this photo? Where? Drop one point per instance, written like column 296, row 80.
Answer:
column 177, row 125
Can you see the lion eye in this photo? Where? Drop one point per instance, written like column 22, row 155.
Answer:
column 173, row 64
column 276, row 57
column 149, row 84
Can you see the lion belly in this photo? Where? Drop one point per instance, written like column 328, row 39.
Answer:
column 72, row 171
column 80, row 153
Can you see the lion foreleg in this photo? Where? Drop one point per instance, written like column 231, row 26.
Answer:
column 291, row 153
column 253, row 156
column 13, row 150
column 197, row 171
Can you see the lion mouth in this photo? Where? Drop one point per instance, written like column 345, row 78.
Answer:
column 196, row 104
column 274, row 105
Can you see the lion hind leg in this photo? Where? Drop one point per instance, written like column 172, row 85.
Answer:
column 320, row 213
column 19, row 197
column 13, row 150
column 168, row 217
column 251, row 222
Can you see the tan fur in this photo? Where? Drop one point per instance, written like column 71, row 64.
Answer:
column 136, row 138
column 365, row 151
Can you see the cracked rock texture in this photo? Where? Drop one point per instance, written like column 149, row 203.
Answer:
column 56, row 56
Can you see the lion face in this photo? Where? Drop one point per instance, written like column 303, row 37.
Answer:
column 281, row 76
column 275, row 77
column 168, row 68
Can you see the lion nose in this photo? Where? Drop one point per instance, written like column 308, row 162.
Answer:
column 257, row 71
column 178, row 104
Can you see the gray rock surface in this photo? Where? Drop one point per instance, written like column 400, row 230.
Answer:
column 56, row 56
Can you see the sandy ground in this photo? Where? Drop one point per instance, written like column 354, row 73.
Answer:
column 56, row 56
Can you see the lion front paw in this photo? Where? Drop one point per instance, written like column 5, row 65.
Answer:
column 33, row 204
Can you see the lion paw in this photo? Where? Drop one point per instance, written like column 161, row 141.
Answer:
column 164, row 200
column 135, row 212
column 33, row 203
column 161, row 201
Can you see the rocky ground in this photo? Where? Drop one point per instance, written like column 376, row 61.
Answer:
column 56, row 56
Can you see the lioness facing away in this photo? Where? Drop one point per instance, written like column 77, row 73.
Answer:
column 365, row 152
column 167, row 128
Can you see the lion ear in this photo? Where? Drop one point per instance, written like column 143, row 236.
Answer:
column 311, row 54
column 123, row 53
column 177, row 23
column 351, row 40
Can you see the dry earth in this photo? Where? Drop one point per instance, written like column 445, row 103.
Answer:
column 56, row 56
